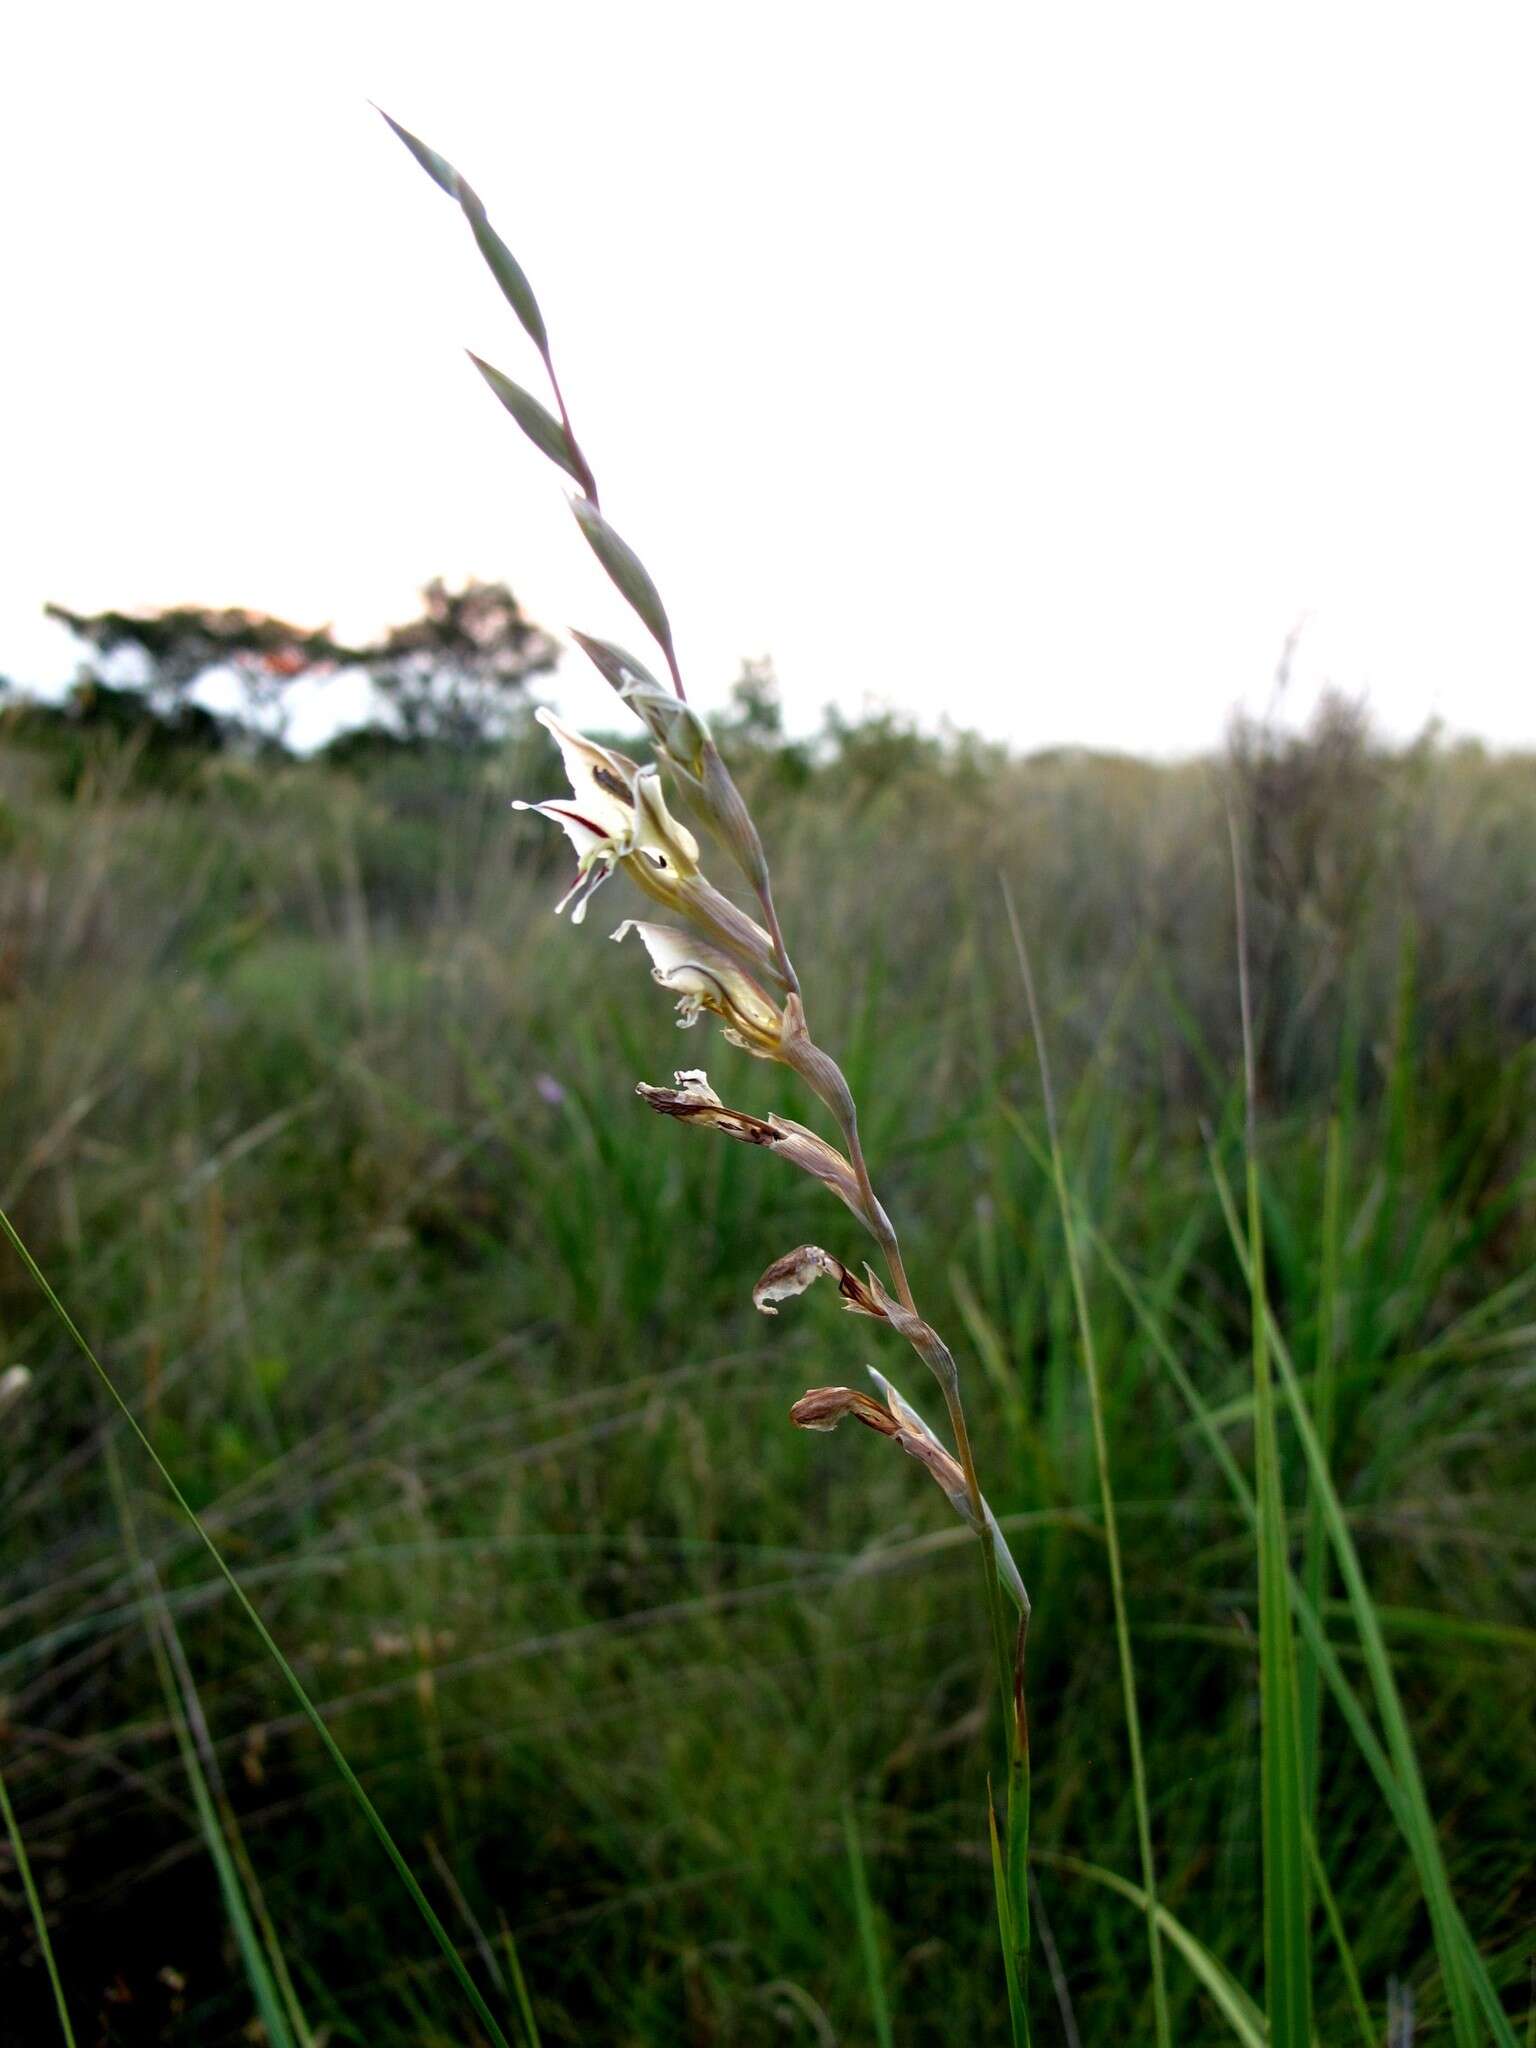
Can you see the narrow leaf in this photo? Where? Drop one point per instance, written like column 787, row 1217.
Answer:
column 520, row 1987
column 615, row 664
column 506, row 270
column 1231, row 2000
column 1016, row 1820
column 1018, row 2014
column 1286, row 1940
column 625, row 567
column 1089, row 1355
column 437, row 168
column 869, row 1932
column 503, row 265
column 1315, row 1553
column 1287, row 1959
column 1458, row 1954
column 311, row 1712
column 1359, row 2010
column 542, row 428
column 1405, row 1801
column 35, row 1907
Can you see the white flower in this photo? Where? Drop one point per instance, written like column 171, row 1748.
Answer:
column 617, row 812
column 704, row 978
column 617, row 817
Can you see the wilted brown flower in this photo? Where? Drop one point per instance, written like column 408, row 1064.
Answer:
column 797, row 1270
column 825, row 1407
column 693, row 1101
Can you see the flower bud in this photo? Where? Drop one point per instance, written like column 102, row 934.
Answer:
column 675, row 726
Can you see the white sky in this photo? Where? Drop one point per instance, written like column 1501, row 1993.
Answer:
column 1034, row 365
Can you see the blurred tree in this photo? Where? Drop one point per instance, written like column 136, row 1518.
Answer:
column 98, row 725
column 754, row 715
column 750, row 730
column 459, row 671
column 455, row 674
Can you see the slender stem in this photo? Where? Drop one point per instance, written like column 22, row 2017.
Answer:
column 1160, row 2011
column 966, row 1456
column 1014, row 1899
column 588, row 480
column 886, row 1238
column 35, row 1906
column 676, row 672
column 890, row 1246
column 775, row 932
column 589, row 489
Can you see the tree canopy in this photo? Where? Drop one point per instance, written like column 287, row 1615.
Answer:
column 454, row 674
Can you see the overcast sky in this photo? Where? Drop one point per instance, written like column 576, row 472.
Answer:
column 1037, row 366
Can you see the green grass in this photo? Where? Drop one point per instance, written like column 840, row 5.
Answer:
column 1283, row 1777
column 1135, row 1758
column 180, row 1693
column 23, row 1869
column 322, row 1128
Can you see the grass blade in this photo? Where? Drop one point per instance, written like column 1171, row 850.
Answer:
column 1314, row 1571
column 1016, row 1823
column 311, row 1712
column 1465, row 1974
column 520, row 1987
column 1330, row 1905
column 1407, row 1802
column 1018, row 2015
column 1287, row 1970
column 1287, row 1965
column 1231, row 2000
column 181, row 1705
column 1106, row 1493
column 869, row 1933
column 35, row 1907
column 277, row 2004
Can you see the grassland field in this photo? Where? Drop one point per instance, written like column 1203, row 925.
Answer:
column 324, row 1130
